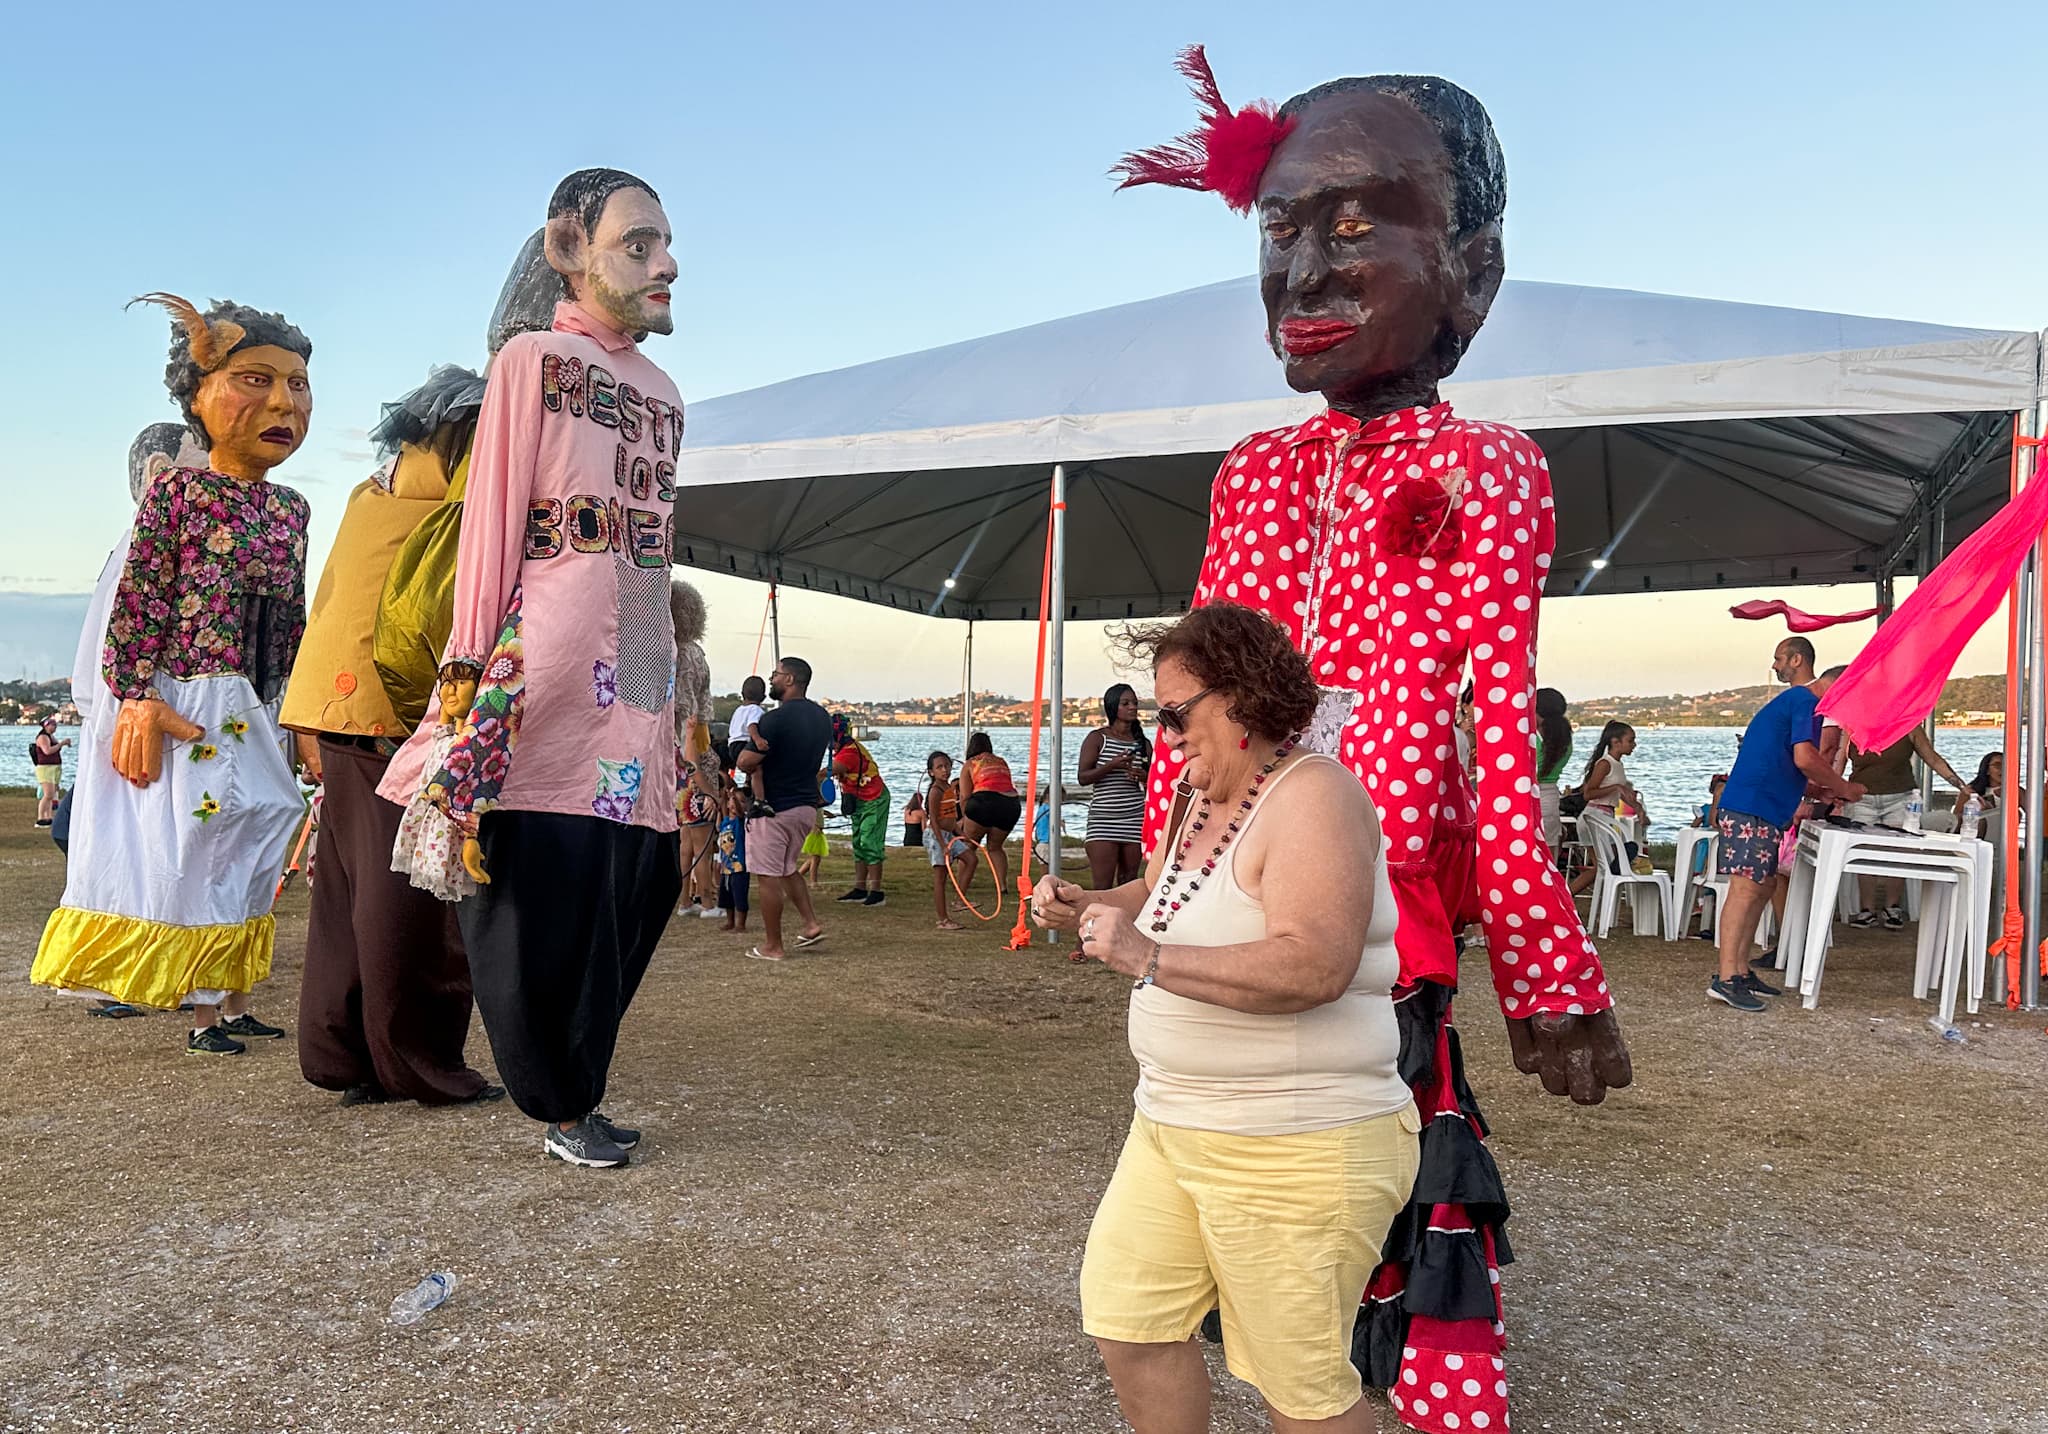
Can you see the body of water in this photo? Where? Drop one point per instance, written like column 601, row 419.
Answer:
column 1671, row 765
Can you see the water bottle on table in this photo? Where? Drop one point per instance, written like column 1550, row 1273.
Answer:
column 1914, row 809
column 429, row 1294
column 1973, row 818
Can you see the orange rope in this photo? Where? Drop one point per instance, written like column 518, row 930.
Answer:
column 762, row 636
column 298, row 851
column 1020, row 934
column 962, row 894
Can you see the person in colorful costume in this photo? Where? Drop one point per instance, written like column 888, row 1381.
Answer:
column 384, row 997
column 174, row 869
column 860, row 783
column 560, row 670
column 1402, row 545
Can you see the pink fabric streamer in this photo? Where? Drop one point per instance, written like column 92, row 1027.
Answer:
column 1893, row 683
column 1757, row 609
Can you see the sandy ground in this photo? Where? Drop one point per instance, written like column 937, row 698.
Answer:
column 868, row 1175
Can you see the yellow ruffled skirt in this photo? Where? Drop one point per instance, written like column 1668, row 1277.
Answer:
column 151, row 963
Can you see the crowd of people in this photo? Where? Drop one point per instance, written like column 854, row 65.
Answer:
column 505, row 701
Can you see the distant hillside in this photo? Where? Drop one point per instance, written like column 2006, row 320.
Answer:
column 1734, row 706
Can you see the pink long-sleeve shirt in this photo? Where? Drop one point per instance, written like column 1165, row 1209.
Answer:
column 561, row 588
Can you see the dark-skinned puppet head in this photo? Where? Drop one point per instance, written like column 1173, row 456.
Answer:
column 609, row 240
column 239, row 374
column 1379, row 202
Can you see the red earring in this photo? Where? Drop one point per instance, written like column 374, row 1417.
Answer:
column 1244, row 743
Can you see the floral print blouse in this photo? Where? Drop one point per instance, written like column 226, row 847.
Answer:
column 215, row 582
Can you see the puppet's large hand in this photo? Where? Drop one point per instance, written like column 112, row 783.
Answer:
column 1579, row 1056
column 139, row 735
column 473, row 862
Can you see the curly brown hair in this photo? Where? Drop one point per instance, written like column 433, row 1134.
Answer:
column 1242, row 654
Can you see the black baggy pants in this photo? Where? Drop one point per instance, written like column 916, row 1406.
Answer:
column 384, row 998
column 558, row 942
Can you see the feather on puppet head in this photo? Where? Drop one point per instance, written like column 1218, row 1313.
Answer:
column 211, row 342
column 1225, row 154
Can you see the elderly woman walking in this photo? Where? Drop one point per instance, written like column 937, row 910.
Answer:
column 1274, row 1142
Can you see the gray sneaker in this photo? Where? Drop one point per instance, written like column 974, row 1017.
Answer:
column 623, row 1136
column 583, row 1143
column 1894, row 918
column 1734, row 993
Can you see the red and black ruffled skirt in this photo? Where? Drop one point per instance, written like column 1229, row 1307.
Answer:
column 1430, row 1332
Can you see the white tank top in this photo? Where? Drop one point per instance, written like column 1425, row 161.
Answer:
column 1205, row 1067
column 1617, row 775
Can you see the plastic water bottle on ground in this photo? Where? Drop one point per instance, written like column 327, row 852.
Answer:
column 429, row 1294
column 1914, row 808
column 1973, row 818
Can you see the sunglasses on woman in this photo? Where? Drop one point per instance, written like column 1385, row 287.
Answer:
column 1175, row 718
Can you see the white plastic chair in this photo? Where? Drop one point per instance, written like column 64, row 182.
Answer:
column 1610, row 856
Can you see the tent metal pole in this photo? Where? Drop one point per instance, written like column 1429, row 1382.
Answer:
column 775, row 619
column 2036, row 670
column 1057, row 664
column 1930, row 556
column 967, row 688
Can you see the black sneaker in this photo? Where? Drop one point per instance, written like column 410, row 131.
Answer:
column 213, row 1041
column 368, row 1093
column 623, row 1136
column 583, row 1144
column 1750, row 981
column 876, row 898
column 859, row 893
column 760, row 812
column 1864, row 918
column 250, row 1029
column 1894, row 919
column 1733, row 993
column 489, row 1095
column 1766, row 962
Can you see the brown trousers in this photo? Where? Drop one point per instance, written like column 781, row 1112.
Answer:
column 385, row 998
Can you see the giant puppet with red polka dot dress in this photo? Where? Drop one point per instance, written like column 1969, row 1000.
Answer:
column 1405, row 548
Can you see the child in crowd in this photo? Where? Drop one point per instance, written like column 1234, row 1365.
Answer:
column 744, row 730
column 733, row 880
column 810, row 865
column 942, row 843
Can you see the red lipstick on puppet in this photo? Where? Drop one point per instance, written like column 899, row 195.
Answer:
column 1313, row 336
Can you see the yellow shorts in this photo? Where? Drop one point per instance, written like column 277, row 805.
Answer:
column 1278, row 1232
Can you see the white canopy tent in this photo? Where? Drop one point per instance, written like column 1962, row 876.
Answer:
column 1693, row 443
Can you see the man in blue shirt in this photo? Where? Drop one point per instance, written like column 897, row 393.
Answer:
column 1780, row 754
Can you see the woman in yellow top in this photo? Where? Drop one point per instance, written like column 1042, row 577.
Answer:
column 1274, row 1141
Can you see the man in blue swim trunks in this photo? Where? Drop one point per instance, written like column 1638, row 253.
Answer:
column 1780, row 755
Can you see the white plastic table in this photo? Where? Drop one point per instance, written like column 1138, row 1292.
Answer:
column 1825, row 847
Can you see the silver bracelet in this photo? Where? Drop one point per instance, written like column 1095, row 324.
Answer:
column 1151, row 971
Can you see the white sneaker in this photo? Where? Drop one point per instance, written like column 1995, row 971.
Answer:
column 711, row 913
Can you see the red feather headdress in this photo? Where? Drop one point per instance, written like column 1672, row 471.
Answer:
column 1225, row 154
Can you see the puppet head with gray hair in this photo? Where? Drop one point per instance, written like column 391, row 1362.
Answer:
column 526, row 304
column 158, row 447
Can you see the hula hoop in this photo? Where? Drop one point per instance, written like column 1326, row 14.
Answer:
column 954, row 877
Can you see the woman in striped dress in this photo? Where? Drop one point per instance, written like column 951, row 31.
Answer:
column 1112, row 760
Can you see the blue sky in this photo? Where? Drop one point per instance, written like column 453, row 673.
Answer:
column 850, row 182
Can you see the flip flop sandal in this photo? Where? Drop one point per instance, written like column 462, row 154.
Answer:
column 806, row 942
column 759, row 955
column 119, row 1010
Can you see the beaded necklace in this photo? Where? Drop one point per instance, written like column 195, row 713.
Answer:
column 1165, row 907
